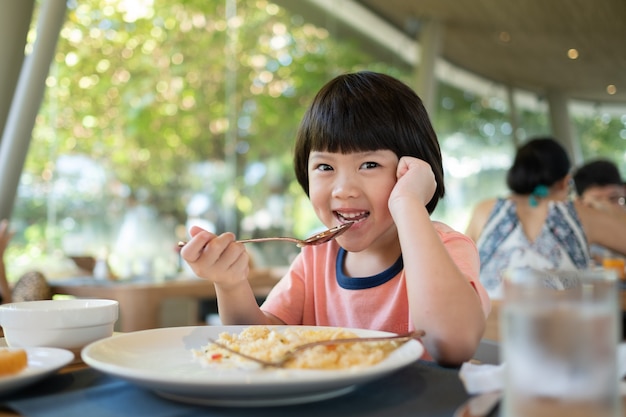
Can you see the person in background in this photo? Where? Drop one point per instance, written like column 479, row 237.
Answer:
column 5, row 237
column 538, row 224
column 599, row 184
column 365, row 153
column 30, row 286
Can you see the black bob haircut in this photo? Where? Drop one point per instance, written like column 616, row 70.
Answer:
column 598, row 173
column 368, row 111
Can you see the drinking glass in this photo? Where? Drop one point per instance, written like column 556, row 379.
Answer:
column 559, row 343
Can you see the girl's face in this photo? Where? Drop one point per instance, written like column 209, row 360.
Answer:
column 354, row 187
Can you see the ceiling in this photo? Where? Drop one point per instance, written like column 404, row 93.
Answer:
column 519, row 43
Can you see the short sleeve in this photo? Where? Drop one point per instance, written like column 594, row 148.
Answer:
column 464, row 253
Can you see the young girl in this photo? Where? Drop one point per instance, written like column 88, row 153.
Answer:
column 365, row 153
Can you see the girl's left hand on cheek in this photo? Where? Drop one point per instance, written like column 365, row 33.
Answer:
column 415, row 178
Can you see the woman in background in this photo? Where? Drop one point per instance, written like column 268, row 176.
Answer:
column 537, row 224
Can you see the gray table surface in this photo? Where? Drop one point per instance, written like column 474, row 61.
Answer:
column 421, row 389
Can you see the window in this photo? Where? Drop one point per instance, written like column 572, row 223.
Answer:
column 159, row 114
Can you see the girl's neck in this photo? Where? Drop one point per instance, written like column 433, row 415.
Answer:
column 373, row 260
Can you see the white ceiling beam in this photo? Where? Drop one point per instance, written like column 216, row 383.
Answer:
column 371, row 28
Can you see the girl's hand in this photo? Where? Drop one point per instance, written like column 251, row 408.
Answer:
column 218, row 259
column 415, row 180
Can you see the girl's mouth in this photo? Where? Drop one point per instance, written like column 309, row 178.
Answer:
column 352, row 217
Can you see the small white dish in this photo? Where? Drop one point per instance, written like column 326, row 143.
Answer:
column 42, row 362
column 66, row 324
column 162, row 361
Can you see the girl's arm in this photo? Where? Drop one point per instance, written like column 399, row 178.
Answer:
column 237, row 305
column 441, row 299
column 225, row 262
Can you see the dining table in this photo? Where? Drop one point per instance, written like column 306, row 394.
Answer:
column 422, row 388
column 142, row 298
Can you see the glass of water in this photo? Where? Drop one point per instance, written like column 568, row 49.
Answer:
column 560, row 331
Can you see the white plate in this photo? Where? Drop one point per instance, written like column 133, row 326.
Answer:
column 162, row 360
column 42, row 362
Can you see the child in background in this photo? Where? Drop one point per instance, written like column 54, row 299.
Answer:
column 599, row 184
column 366, row 153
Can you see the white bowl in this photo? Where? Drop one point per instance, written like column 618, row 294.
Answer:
column 67, row 324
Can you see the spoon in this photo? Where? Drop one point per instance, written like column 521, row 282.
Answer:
column 405, row 337
column 316, row 239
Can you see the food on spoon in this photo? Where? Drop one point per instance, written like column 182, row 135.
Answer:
column 271, row 345
column 12, row 361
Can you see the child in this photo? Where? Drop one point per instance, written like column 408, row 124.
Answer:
column 365, row 153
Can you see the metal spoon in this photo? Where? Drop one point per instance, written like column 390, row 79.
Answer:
column 317, row 239
column 405, row 337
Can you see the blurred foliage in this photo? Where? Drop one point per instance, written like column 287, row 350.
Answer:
column 150, row 89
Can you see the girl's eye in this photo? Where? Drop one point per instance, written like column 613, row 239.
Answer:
column 324, row 167
column 370, row 165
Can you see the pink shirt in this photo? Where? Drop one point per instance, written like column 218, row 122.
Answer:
column 311, row 293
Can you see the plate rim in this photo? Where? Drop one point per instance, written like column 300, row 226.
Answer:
column 35, row 372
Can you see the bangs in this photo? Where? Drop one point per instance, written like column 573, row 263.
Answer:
column 346, row 122
column 348, row 136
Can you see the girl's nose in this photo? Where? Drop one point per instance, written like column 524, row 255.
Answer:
column 346, row 187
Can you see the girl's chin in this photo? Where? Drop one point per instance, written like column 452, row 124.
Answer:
column 353, row 245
